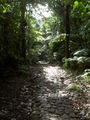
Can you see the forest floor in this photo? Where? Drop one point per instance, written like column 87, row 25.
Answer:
column 40, row 95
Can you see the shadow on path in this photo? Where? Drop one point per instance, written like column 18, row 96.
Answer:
column 40, row 96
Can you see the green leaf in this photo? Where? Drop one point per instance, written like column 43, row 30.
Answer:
column 4, row 10
column 76, row 3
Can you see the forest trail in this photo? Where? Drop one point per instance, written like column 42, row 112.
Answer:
column 40, row 96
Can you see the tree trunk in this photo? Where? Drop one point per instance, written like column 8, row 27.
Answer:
column 67, row 32
column 5, row 35
column 23, row 29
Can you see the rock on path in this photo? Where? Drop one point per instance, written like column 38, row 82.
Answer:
column 40, row 96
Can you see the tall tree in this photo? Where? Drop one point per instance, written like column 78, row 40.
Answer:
column 67, row 31
column 58, row 6
column 23, row 23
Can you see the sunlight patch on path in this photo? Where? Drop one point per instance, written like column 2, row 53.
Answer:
column 41, row 96
column 53, row 73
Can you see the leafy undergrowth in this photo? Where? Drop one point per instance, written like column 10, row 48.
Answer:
column 79, row 90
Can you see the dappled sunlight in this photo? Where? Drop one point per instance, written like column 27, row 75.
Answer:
column 53, row 117
column 42, row 96
column 53, row 82
column 44, row 60
column 53, row 73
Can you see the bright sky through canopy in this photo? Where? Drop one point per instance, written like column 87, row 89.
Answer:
column 41, row 11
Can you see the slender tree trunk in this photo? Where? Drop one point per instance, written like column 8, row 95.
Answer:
column 67, row 31
column 23, row 29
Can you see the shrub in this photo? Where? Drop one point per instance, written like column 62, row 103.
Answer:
column 66, row 63
column 87, row 62
column 83, row 62
column 86, row 76
column 79, row 53
column 78, row 62
column 70, row 63
column 74, row 87
column 57, row 46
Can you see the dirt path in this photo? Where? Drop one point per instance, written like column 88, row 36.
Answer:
column 40, row 96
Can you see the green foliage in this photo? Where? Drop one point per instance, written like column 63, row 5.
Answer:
column 82, row 52
column 45, row 39
column 86, row 76
column 65, row 63
column 33, row 39
column 9, row 32
column 80, row 22
column 70, row 63
column 74, row 87
column 76, row 3
column 79, row 61
column 57, row 46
